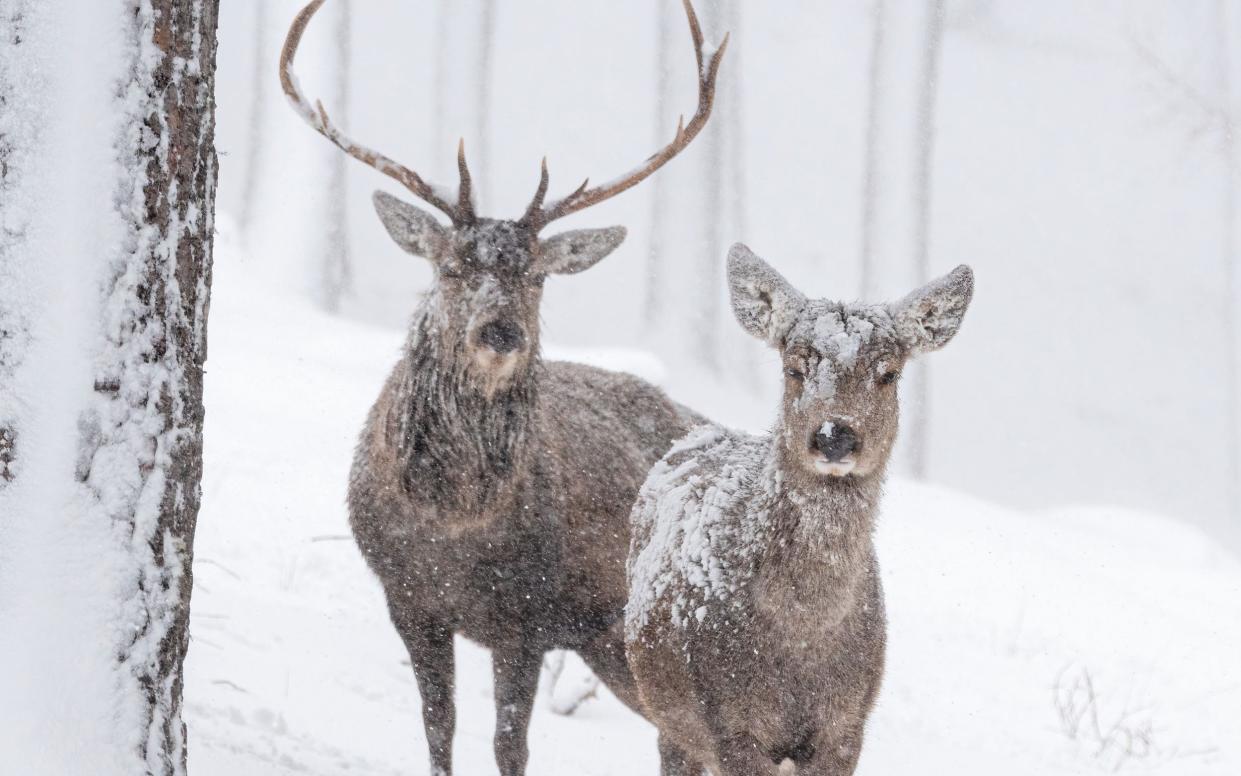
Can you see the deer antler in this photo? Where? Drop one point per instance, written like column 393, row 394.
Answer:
column 461, row 213
column 537, row 216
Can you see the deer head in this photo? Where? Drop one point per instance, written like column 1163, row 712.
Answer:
column 489, row 273
column 842, row 362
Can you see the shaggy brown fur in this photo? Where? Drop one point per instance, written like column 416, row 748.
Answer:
column 755, row 625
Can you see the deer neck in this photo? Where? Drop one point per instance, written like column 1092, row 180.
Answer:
column 820, row 549
column 462, row 448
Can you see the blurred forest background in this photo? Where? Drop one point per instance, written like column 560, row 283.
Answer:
column 1081, row 156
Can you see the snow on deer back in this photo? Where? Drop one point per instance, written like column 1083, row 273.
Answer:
column 755, row 620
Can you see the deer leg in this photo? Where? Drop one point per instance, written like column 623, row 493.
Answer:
column 674, row 762
column 430, row 653
column 605, row 655
column 740, row 755
column 516, row 675
column 834, row 756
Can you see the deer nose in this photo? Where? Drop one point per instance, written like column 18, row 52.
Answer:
column 501, row 336
column 836, row 441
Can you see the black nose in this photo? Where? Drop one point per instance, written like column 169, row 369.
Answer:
column 836, row 441
column 501, row 336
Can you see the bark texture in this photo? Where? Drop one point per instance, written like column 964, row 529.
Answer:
column 150, row 381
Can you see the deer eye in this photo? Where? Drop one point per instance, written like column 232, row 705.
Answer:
column 887, row 378
column 795, row 372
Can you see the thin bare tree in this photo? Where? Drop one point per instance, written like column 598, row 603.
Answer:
column 714, row 216
column 260, row 96
column 15, row 138
column 1228, row 253
column 870, row 170
column 1215, row 112
column 441, row 67
column 723, row 185
column 652, row 301
column 482, row 102
column 919, row 431
column 336, row 273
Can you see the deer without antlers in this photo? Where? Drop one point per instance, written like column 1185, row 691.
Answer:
column 755, row 623
column 490, row 491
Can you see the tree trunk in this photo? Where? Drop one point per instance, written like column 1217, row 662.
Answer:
column 482, row 107
column 652, row 300
column 443, row 65
column 919, row 432
column 16, row 140
column 336, row 271
column 260, row 96
column 870, row 173
column 113, row 284
column 896, row 180
column 1228, row 255
column 715, row 209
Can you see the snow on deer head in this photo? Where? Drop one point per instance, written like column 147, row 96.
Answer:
column 842, row 362
column 490, row 272
column 489, row 278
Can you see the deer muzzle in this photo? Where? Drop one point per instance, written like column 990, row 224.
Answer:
column 836, row 445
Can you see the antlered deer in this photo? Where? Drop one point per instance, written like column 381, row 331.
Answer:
column 491, row 490
column 755, row 623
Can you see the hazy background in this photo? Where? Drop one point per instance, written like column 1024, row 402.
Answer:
column 1080, row 156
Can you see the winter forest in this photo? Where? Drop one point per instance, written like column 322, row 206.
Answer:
column 278, row 497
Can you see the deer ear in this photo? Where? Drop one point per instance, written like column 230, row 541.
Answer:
column 572, row 252
column 415, row 231
column 929, row 317
column 764, row 302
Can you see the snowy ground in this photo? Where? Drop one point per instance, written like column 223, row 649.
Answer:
column 1088, row 640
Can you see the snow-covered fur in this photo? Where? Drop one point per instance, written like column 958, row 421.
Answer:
column 755, row 624
column 491, row 491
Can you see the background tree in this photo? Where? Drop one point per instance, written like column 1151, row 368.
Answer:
column 1209, row 109
column 870, row 174
column 895, row 250
column 287, row 177
column 16, row 139
column 924, row 140
column 654, row 282
column 335, row 272
column 112, row 189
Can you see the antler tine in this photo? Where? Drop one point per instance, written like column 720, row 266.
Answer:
column 536, row 204
column 318, row 119
column 582, row 198
column 695, row 31
column 465, row 192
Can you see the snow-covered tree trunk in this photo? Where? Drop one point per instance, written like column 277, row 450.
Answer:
column 107, row 216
